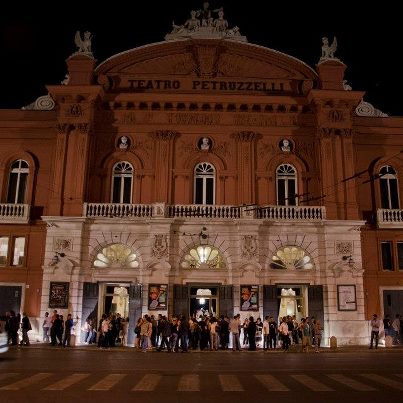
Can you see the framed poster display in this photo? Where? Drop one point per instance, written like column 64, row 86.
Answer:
column 249, row 298
column 346, row 297
column 59, row 295
column 157, row 297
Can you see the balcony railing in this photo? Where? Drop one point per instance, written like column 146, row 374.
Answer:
column 221, row 212
column 389, row 218
column 14, row 213
column 292, row 213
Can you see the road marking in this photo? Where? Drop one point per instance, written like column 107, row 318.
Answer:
column 384, row 381
column 230, row 383
column 66, row 382
column 107, row 382
column 26, row 381
column 271, row 383
column 147, row 383
column 311, row 383
column 8, row 375
column 189, row 383
column 353, row 384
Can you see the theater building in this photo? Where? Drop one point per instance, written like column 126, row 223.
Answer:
column 202, row 173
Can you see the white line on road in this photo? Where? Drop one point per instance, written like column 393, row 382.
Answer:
column 311, row 383
column 147, row 383
column 189, row 383
column 384, row 381
column 353, row 384
column 23, row 383
column 271, row 383
column 66, row 382
column 107, row 382
column 230, row 383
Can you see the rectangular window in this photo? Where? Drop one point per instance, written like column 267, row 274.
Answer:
column 3, row 250
column 19, row 251
column 199, row 191
column 209, row 191
column 291, row 193
column 394, row 194
column 281, row 192
column 400, row 255
column 116, row 190
column 12, row 251
column 387, row 256
column 127, row 190
column 384, row 194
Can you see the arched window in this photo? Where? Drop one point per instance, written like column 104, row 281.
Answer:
column 291, row 257
column 286, row 182
column 203, row 256
column 389, row 188
column 116, row 256
column 204, row 183
column 122, row 182
column 17, row 183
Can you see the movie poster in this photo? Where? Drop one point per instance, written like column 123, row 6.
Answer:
column 249, row 298
column 157, row 297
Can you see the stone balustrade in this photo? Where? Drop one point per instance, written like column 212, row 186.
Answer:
column 274, row 213
column 389, row 218
column 14, row 213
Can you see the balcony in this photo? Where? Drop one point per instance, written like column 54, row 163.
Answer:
column 14, row 213
column 195, row 211
column 390, row 218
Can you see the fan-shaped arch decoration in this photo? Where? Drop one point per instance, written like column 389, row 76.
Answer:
column 116, row 256
column 291, row 257
column 203, row 256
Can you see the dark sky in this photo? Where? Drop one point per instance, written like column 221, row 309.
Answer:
column 36, row 40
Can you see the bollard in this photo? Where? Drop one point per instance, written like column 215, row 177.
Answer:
column 333, row 342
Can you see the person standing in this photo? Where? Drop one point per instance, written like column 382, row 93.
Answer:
column 25, row 327
column 252, row 334
column 375, row 325
column 234, row 326
column 68, row 324
column 47, row 323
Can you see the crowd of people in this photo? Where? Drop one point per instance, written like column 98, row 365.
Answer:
column 203, row 332
column 211, row 333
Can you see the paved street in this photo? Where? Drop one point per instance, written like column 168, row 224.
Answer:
column 43, row 374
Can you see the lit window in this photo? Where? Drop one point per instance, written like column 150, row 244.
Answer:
column 291, row 257
column 3, row 250
column 17, row 182
column 122, row 182
column 389, row 188
column 116, row 256
column 12, row 251
column 204, row 183
column 204, row 256
column 286, row 181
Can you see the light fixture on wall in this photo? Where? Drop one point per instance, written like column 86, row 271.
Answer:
column 349, row 260
column 56, row 258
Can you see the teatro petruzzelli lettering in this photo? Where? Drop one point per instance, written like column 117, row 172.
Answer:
column 204, row 85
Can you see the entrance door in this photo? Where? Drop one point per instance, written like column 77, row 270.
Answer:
column 10, row 299
column 203, row 301
column 291, row 301
column 116, row 299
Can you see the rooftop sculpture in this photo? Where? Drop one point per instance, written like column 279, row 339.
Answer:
column 201, row 24
column 84, row 44
column 328, row 50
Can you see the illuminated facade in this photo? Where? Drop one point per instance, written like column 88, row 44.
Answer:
column 202, row 173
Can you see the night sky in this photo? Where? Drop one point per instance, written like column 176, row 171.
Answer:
column 37, row 39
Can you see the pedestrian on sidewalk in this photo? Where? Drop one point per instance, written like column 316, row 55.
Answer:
column 47, row 323
column 25, row 327
column 375, row 325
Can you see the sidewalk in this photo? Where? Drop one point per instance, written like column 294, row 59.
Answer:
column 293, row 349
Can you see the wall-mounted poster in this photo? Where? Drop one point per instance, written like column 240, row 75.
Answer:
column 157, row 297
column 249, row 298
column 59, row 295
column 346, row 298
